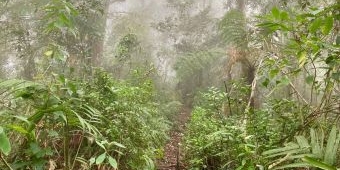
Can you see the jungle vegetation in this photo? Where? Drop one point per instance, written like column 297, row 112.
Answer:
column 98, row 84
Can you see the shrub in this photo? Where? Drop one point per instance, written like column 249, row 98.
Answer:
column 82, row 123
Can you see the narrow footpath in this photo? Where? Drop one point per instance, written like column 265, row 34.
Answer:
column 173, row 156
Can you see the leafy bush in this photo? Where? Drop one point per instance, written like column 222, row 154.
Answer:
column 216, row 140
column 215, row 143
column 81, row 124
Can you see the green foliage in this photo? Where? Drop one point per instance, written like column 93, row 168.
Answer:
column 132, row 117
column 318, row 164
column 212, row 99
column 59, row 16
column 194, row 71
column 127, row 44
column 95, row 122
column 233, row 101
column 307, row 47
column 191, row 64
column 216, row 140
column 5, row 146
column 314, row 153
column 170, row 109
column 309, row 36
column 212, row 142
column 233, row 28
column 302, row 43
column 71, row 116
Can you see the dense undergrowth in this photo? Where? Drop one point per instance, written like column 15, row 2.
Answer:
column 264, row 90
column 220, row 139
column 290, row 127
column 82, row 124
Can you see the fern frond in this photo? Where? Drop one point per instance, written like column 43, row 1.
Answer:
column 11, row 86
column 233, row 28
column 191, row 63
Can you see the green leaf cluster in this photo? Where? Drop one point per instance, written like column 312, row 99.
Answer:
column 308, row 154
column 113, row 121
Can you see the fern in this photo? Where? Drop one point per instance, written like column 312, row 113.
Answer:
column 66, row 107
column 233, row 28
column 11, row 86
column 192, row 63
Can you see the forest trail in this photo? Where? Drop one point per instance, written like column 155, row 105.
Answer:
column 173, row 156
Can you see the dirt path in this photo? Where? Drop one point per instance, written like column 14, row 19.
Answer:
column 172, row 154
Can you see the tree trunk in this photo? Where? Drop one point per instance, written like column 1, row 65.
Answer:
column 241, row 5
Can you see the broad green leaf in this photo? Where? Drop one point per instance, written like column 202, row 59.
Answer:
column 332, row 147
column 22, row 118
column 251, row 167
column 284, row 81
column 35, row 119
column 289, row 147
column 240, row 167
column 113, row 162
column 302, row 57
column 18, row 129
column 118, row 144
column 310, row 79
column 273, row 73
column 294, row 165
column 15, row 85
column 276, row 13
column 299, row 156
column 100, row 159
column 265, row 83
column 288, row 152
column 336, row 76
column 315, row 163
column 316, row 11
column 302, row 141
column 100, row 144
column 316, row 24
column 34, row 148
column 49, row 53
column 284, row 16
column 316, row 143
column 92, row 160
column 5, row 146
column 328, row 25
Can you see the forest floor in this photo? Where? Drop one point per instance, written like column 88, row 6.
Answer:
column 173, row 156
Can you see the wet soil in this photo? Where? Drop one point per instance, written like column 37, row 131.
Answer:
column 173, row 155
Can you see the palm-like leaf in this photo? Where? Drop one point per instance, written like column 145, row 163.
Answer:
column 191, row 63
column 313, row 153
column 233, row 28
column 332, row 146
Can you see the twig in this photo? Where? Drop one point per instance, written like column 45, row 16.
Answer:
column 297, row 92
column 75, row 157
column 6, row 163
column 279, row 161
